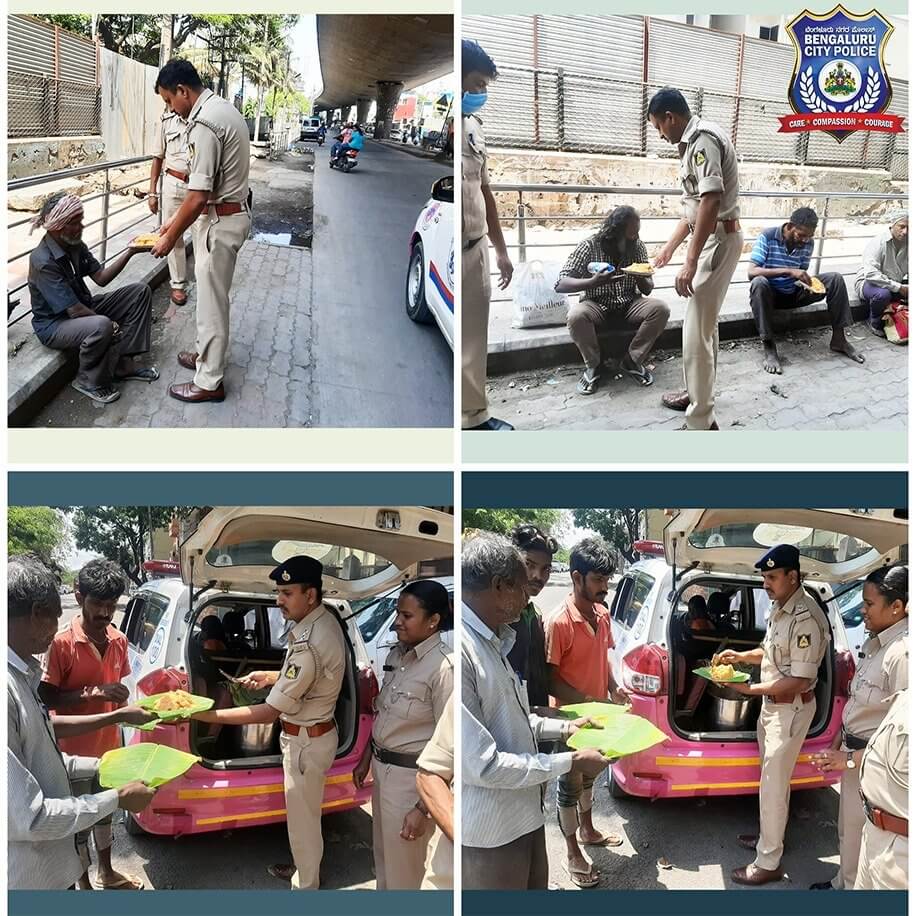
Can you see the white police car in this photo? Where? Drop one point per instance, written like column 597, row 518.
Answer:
column 430, row 292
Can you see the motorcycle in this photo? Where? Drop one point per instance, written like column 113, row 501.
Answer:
column 345, row 161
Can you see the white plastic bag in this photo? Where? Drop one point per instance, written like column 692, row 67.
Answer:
column 536, row 304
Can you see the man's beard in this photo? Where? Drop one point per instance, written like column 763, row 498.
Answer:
column 71, row 241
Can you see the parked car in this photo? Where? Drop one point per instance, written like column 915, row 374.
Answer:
column 376, row 620
column 849, row 601
column 430, row 292
column 712, row 747
column 312, row 129
column 224, row 573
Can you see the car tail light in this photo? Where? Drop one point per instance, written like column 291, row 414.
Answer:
column 162, row 680
column 844, row 671
column 367, row 686
column 644, row 670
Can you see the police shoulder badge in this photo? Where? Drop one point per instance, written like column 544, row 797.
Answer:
column 292, row 672
column 839, row 84
column 699, row 157
column 803, row 641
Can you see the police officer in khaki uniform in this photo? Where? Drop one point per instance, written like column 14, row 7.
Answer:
column 436, row 774
column 218, row 153
column 796, row 640
column 885, row 787
column 303, row 696
column 881, row 672
column 416, row 688
column 709, row 180
column 171, row 162
column 479, row 221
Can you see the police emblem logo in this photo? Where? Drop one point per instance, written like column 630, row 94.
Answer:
column 292, row 672
column 285, row 576
column 803, row 641
column 700, row 157
column 771, row 563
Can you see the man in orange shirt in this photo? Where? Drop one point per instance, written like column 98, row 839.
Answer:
column 578, row 639
column 83, row 670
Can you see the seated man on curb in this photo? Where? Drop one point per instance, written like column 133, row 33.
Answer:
column 108, row 329
column 779, row 262
column 612, row 295
column 882, row 278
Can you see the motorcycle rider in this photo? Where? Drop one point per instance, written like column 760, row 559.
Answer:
column 356, row 141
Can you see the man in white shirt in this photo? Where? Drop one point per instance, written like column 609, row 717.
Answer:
column 504, row 776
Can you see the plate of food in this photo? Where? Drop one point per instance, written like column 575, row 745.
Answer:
column 722, row 674
column 817, row 286
column 171, row 705
column 153, row 764
column 639, row 270
column 145, row 240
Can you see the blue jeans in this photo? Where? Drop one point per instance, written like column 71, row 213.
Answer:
column 338, row 149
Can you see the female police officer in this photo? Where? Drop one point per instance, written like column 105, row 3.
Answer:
column 416, row 688
column 880, row 673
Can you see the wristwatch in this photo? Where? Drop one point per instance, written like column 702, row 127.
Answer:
column 850, row 763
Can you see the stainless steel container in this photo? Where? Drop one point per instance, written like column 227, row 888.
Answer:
column 255, row 740
column 731, row 710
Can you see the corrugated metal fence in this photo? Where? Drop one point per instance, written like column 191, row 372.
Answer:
column 582, row 84
column 53, row 81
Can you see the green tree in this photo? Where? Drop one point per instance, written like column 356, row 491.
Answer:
column 619, row 527
column 39, row 530
column 502, row 521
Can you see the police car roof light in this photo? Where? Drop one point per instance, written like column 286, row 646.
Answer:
column 655, row 548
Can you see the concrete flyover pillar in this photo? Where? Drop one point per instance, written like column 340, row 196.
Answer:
column 362, row 110
column 389, row 92
column 346, row 113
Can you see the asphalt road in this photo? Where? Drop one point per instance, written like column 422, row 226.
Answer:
column 373, row 366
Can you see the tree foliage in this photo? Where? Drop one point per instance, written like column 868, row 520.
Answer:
column 502, row 521
column 39, row 530
column 620, row 527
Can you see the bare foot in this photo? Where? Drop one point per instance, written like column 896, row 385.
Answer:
column 771, row 361
column 842, row 345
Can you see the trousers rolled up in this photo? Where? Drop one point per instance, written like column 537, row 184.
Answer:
column 306, row 762
column 475, row 320
column 100, row 348
column 877, row 299
column 217, row 241
column 173, row 195
column 849, row 824
column 574, row 796
column 517, row 866
column 766, row 299
column 399, row 863
column 649, row 316
column 701, row 323
column 781, row 731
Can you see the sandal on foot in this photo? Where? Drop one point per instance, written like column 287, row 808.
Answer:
column 100, row 395
column 640, row 373
column 147, row 374
column 583, row 879
column 612, row 839
column 588, row 385
column 124, row 883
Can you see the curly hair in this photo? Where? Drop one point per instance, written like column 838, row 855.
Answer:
column 101, row 579
column 612, row 236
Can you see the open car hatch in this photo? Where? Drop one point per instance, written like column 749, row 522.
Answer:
column 364, row 549
column 836, row 545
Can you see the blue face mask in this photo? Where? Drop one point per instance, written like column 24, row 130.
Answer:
column 472, row 102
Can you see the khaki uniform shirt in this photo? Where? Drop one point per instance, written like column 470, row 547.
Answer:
column 708, row 165
column 886, row 761
column 312, row 674
column 796, row 639
column 416, row 688
column 881, row 674
column 218, row 149
column 438, row 758
column 474, row 176
column 172, row 142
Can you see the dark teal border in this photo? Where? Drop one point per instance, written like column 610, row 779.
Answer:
column 685, row 903
column 232, row 488
column 231, row 903
column 683, row 489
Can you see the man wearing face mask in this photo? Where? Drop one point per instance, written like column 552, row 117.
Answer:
column 479, row 221
column 108, row 330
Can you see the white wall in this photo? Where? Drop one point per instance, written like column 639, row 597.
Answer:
column 130, row 108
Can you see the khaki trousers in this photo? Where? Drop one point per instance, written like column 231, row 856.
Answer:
column 850, row 821
column 475, row 319
column 217, row 240
column 883, row 862
column 305, row 764
column 399, row 863
column 173, row 194
column 649, row 316
column 701, row 323
column 440, row 864
column 781, row 731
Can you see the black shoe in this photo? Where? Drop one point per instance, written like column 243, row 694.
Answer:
column 821, row 886
column 493, row 424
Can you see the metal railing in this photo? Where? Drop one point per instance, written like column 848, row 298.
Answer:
column 523, row 217
column 103, row 221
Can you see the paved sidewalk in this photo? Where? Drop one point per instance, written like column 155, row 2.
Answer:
column 817, row 390
column 269, row 376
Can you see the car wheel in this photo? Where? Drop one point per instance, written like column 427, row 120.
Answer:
column 417, row 309
column 132, row 827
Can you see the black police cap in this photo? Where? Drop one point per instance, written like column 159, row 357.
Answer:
column 298, row 570
column 782, row 556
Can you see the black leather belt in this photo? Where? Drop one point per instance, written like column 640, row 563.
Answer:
column 393, row 758
column 468, row 245
column 854, row 743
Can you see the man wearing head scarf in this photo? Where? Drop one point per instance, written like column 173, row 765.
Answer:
column 883, row 278
column 109, row 329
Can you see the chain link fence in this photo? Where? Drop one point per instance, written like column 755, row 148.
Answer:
column 40, row 106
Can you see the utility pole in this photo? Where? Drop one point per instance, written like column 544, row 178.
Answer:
column 166, row 37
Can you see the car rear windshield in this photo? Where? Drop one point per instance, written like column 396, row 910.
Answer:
column 814, row 543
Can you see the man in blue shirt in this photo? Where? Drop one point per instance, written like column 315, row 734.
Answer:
column 355, row 141
column 779, row 264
